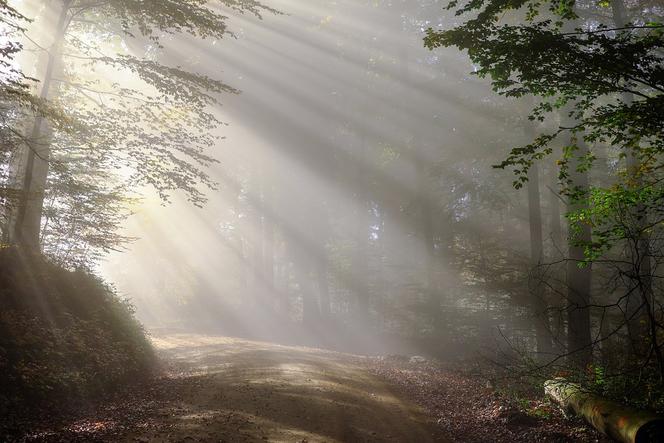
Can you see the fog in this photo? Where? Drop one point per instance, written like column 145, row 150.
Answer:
column 331, row 220
column 354, row 188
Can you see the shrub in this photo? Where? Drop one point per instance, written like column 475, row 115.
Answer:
column 63, row 334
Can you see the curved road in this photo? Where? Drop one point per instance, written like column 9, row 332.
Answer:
column 224, row 389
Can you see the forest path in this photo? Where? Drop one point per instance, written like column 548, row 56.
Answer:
column 219, row 389
column 224, row 389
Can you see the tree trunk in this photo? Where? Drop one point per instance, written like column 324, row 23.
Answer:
column 428, row 238
column 302, row 268
column 638, row 303
column 310, row 308
column 25, row 226
column 268, row 234
column 257, row 238
column 619, row 422
column 360, row 260
column 323, row 287
column 557, row 252
column 538, row 303
column 579, row 340
column 578, row 278
column 555, row 225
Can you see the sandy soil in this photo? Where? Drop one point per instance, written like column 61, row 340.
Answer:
column 219, row 389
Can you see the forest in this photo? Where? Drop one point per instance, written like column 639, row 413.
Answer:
column 332, row 220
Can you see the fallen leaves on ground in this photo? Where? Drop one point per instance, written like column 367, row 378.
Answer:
column 470, row 411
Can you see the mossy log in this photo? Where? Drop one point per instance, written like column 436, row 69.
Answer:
column 622, row 423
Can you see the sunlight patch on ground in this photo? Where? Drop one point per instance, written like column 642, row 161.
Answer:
column 257, row 391
column 166, row 342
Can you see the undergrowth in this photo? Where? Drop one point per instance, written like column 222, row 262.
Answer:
column 65, row 336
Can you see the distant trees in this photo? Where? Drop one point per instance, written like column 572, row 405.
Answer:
column 383, row 217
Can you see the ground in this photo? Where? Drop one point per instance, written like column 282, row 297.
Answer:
column 220, row 389
column 231, row 390
column 472, row 410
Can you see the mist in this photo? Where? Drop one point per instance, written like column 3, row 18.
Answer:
column 348, row 168
column 451, row 209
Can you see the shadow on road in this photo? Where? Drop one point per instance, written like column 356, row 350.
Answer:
column 224, row 389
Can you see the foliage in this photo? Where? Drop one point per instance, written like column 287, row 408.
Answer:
column 63, row 333
column 615, row 219
column 596, row 73
column 12, row 23
column 128, row 109
column 606, row 81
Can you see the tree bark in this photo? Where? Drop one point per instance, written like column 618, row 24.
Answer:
column 637, row 312
column 578, row 278
column 624, row 424
column 303, row 268
column 257, row 237
column 579, row 340
column 268, row 234
column 25, row 226
column 538, row 302
column 323, row 288
column 428, row 237
column 555, row 225
column 360, row 260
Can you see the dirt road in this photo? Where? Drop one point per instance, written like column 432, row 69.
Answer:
column 234, row 390
column 219, row 389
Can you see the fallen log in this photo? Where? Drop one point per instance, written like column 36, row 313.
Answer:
column 622, row 423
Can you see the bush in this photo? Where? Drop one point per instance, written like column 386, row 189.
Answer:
column 63, row 334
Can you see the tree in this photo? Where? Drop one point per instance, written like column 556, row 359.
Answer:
column 17, row 102
column 606, row 80
column 159, row 131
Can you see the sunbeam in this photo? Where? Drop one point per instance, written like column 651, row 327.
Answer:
column 331, row 220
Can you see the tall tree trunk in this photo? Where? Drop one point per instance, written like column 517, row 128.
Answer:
column 638, row 304
column 256, row 238
column 637, row 310
column 555, row 225
column 557, row 252
column 538, row 303
column 323, row 287
column 282, row 272
column 268, row 245
column 579, row 340
column 428, row 237
column 360, row 259
column 578, row 278
column 303, row 274
column 25, row 226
